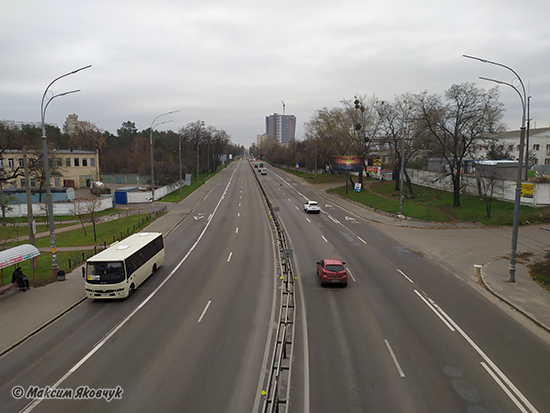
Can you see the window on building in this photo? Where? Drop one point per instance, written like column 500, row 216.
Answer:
column 22, row 183
column 1, row 162
column 56, row 182
column 76, row 162
column 547, row 161
column 67, row 161
column 11, row 162
column 92, row 161
column 536, row 161
column 536, row 147
column 84, row 161
column 33, row 183
column 20, row 161
column 59, row 162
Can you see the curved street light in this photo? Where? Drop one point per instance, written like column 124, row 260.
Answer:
column 515, row 227
column 154, row 125
column 49, row 202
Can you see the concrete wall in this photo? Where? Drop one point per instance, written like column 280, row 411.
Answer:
column 145, row 196
column 504, row 190
column 83, row 206
column 60, row 209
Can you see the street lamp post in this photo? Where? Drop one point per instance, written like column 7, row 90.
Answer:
column 49, row 203
column 153, row 125
column 522, row 96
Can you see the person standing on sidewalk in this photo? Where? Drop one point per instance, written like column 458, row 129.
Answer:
column 21, row 279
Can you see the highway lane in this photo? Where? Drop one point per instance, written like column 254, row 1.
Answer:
column 199, row 341
column 448, row 363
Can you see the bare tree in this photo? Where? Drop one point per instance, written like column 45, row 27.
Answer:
column 327, row 134
column 398, row 130
column 87, row 212
column 463, row 117
column 488, row 177
column 87, row 135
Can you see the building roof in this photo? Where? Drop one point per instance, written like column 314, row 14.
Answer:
column 57, row 151
column 512, row 135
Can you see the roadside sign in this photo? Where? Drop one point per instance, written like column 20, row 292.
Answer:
column 527, row 190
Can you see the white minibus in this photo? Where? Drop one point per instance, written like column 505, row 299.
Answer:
column 117, row 271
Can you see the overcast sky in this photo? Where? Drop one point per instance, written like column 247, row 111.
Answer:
column 230, row 63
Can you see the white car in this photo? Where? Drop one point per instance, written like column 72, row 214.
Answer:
column 312, row 206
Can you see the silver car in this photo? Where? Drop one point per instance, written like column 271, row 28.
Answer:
column 312, row 206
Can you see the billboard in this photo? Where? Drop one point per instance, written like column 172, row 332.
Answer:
column 347, row 164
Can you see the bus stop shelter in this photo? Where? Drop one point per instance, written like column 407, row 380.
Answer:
column 15, row 255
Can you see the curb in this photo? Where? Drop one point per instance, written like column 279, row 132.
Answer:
column 508, row 302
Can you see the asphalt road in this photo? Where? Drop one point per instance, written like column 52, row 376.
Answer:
column 195, row 337
column 405, row 335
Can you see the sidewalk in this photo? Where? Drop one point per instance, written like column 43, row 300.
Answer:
column 455, row 247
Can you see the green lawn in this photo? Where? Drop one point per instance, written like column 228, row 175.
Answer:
column 429, row 204
column 434, row 205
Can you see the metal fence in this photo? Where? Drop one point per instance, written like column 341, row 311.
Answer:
column 77, row 259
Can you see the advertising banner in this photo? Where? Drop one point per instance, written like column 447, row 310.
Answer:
column 347, row 164
column 386, row 175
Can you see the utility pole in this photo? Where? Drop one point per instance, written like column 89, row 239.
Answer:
column 30, row 218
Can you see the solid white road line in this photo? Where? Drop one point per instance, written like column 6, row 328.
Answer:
column 229, row 258
column 362, row 240
column 404, row 275
column 324, row 238
column 434, row 310
column 503, row 387
column 455, row 327
column 351, row 275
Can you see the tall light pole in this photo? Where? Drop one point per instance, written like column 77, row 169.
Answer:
column 523, row 98
column 154, row 125
column 49, row 203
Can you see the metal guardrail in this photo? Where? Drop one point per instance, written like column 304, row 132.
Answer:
column 278, row 387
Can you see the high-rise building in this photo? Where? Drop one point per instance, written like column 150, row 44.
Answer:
column 70, row 123
column 260, row 139
column 280, row 127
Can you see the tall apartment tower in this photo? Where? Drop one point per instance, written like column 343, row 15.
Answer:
column 70, row 123
column 280, row 127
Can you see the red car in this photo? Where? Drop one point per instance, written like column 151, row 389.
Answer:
column 332, row 272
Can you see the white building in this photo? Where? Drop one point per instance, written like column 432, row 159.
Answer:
column 538, row 145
